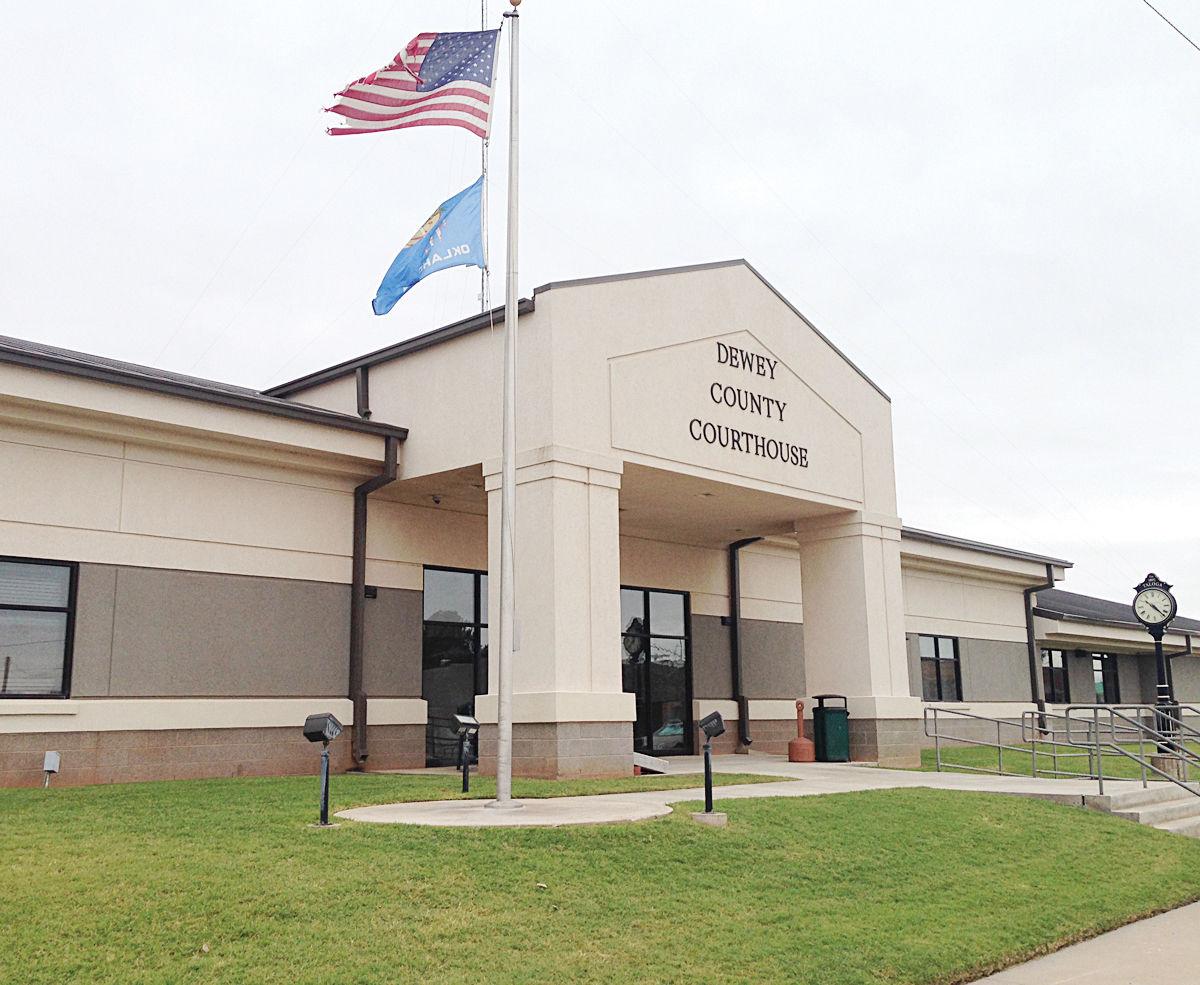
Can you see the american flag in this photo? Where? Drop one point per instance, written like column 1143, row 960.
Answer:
column 440, row 79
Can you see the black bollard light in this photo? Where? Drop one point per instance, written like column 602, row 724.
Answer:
column 712, row 726
column 468, row 728
column 323, row 728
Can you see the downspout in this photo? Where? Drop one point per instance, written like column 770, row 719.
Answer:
column 362, row 392
column 735, row 637
column 1035, row 664
column 358, row 589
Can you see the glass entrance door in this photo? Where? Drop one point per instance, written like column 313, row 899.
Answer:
column 656, row 666
column 454, row 655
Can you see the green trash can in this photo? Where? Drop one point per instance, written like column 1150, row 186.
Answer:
column 831, row 729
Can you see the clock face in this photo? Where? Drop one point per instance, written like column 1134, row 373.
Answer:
column 1153, row 606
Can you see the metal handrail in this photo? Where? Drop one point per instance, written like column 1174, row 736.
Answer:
column 1170, row 743
column 1156, row 713
column 999, row 745
column 1106, row 730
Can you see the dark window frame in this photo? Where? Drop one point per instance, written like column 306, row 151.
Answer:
column 1110, row 677
column 478, row 616
column 937, row 660
column 478, row 623
column 69, row 633
column 1050, row 692
column 689, row 726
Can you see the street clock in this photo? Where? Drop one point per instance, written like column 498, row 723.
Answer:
column 1154, row 605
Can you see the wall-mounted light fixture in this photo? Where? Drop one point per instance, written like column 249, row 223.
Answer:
column 50, row 765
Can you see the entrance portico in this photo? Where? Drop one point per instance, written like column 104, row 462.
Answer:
column 678, row 412
column 662, row 416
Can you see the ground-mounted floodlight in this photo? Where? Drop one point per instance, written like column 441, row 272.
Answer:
column 712, row 726
column 50, row 765
column 323, row 728
column 467, row 728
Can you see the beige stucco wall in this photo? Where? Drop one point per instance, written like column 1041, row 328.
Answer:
column 448, row 396
column 141, row 502
column 585, row 343
column 770, row 576
column 962, row 604
column 108, row 410
column 667, row 354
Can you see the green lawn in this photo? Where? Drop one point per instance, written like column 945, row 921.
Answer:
column 1021, row 762
column 222, row 881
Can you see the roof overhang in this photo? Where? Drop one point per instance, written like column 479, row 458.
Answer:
column 923, row 550
column 78, row 366
column 1057, row 631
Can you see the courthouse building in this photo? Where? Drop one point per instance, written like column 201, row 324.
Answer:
column 706, row 518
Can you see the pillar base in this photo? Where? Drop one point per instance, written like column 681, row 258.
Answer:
column 886, row 741
column 562, row 750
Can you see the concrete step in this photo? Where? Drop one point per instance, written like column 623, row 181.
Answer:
column 1171, row 810
column 651, row 764
column 1189, row 826
column 1156, row 793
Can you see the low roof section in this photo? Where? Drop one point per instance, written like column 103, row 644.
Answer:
column 1054, row 603
column 948, row 540
column 36, row 355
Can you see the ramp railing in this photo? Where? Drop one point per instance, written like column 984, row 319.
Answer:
column 1158, row 741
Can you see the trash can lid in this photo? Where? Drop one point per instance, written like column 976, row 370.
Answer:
column 822, row 698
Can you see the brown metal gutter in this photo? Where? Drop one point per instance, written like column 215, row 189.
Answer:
column 465, row 326
column 358, row 590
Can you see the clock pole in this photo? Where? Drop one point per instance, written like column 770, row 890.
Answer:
column 1168, row 710
column 1164, row 695
column 1154, row 607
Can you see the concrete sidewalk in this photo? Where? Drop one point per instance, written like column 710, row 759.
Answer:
column 846, row 777
column 1164, row 950
column 795, row 780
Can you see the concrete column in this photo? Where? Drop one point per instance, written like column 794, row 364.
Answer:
column 854, row 631
column 570, row 716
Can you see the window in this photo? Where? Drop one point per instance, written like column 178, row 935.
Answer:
column 939, row 668
column 37, row 622
column 656, row 667
column 1104, row 674
column 1054, row 677
column 454, row 655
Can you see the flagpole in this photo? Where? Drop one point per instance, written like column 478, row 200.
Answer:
column 484, row 302
column 508, row 478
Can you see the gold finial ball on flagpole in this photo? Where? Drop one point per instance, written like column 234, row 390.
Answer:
column 515, row 3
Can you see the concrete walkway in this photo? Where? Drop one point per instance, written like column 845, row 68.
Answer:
column 1164, row 950
column 845, row 778
column 795, row 780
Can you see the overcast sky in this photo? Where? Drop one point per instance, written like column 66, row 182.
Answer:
column 993, row 208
